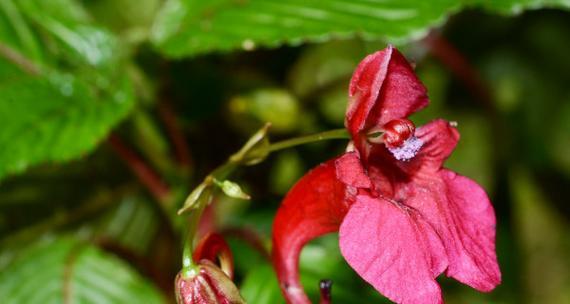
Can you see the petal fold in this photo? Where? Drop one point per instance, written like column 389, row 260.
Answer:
column 393, row 249
column 315, row 206
column 350, row 171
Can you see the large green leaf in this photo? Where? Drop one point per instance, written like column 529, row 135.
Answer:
column 65, row 270
column 190, row 27
column 62, row 83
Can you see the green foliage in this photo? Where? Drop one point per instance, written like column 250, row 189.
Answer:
column 60, row 101
column 191, row 27
column 65, row 270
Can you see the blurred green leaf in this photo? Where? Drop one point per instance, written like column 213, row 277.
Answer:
column 287, row 169
column 543, row 237
column 58, row 101
column 65, row 270
column 265, row 105
column 190, row 27
column 133, row 224
column 559, row 145
column 260, row 286
column 473, row 156
column 324, row 64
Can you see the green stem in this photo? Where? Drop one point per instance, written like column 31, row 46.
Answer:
column 189, row 267
column 332, row 134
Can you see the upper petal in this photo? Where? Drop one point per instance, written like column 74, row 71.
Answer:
column 394, row 249
column 314, row 206
column 383, row 87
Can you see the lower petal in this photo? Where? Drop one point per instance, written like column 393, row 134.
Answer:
column 472, row 247
column 313, row 207
column 393, row 249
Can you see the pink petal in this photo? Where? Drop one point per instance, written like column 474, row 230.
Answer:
column 393, row 249
column 349, row 170
column 461, row 214
column 314, row 206
column 472, row 257
column 383, row 87
column 439, row 139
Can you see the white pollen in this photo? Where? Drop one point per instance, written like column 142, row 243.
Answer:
column 408, row 149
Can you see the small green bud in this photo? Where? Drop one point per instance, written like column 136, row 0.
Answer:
column 232, row 189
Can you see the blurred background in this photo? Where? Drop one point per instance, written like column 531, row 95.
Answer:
column 112, row 111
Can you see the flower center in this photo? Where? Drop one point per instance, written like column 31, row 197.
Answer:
column 397, row 131
column 398, row 136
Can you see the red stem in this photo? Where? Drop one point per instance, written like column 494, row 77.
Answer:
column 459, row 66
column 146, row 175
column 325, row 287
column 172, row 125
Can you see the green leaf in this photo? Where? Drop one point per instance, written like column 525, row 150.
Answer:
column 65, row 270
column 260, row 286
column 58, row 101
column 133, row 224
column 191, row 27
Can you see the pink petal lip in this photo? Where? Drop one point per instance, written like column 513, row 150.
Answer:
column 395, row 251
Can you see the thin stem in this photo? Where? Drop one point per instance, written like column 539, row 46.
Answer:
column 147, row 176
column 332, row 134
column 16, row 58
column 188, row 264
column 172, row 125
column 453, row 59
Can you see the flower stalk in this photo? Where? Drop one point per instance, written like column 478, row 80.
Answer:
column 254, row 151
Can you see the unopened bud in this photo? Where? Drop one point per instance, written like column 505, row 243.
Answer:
column 232, row 189
column 208, row 285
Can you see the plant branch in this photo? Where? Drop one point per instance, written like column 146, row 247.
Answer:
column 201, row 195
column 332, row 134
column 172, row 125
column 18, row 59
column 146, row 175
column 452, row 58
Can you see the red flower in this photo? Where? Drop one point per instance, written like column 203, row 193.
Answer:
column 403, row 219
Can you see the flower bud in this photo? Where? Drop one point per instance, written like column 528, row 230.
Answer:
column 208, row 285
column 232, row 189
